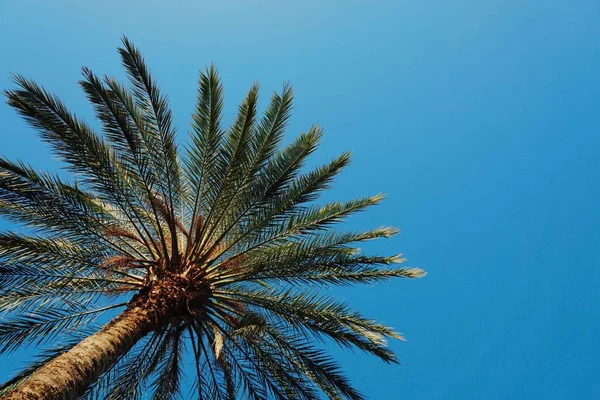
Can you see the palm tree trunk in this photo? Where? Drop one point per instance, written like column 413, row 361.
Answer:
column 68, row 375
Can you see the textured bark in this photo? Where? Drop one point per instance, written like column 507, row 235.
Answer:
column 68, row 375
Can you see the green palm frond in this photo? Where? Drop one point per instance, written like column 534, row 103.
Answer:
column 44, row 326
column 167, row 383
column 202, row 166
column 221, row 248
column 320, row 315
column 309, row 361
column 161, row 136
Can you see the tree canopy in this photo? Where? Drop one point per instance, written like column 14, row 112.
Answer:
column 223, row 235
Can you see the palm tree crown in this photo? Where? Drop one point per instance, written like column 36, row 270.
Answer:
column 217, row 252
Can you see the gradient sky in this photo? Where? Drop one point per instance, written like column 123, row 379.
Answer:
column 479, row 119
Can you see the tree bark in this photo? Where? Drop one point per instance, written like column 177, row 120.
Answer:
column 68, row 375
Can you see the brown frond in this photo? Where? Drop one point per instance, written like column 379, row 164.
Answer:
column 234, row 264
column 121, row 262
column 165, row 213
column 117, row 263
column 118, row 290
column 198, row 225
column 119, row 231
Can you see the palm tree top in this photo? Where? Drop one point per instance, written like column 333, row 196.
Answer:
column 217, row 250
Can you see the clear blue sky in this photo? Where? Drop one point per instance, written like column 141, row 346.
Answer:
column 479, row 119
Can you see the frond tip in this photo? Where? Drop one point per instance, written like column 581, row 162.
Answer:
column 219, row 251
column 415, row 273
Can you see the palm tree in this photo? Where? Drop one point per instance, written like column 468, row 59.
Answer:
column 217, row 256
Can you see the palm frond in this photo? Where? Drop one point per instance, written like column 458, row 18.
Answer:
column 158, row 118
column 43, row 327
column 236, row 156
column 203, row 166
column 167, row 383
column 123, row 132
column 319, row 315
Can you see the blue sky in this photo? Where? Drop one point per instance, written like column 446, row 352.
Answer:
column 480, row 120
